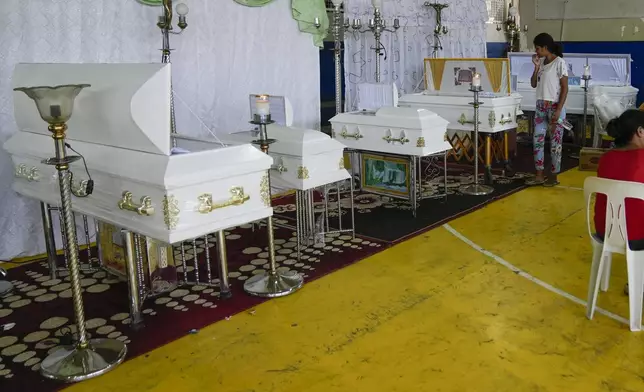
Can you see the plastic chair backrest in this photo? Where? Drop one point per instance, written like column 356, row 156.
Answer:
column 616, row 193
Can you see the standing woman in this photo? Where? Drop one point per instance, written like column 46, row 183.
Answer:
column 550, row 78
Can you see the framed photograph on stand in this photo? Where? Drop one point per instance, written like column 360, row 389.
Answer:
column 386, row 175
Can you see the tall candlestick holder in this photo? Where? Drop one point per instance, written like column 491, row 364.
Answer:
column 476, row 189
column 440, row 29
column 337, row 29
column 512, row 29
column 377, row 26
column 273, row 283
column 581, row 138
column 87, row 358
column 586, row 78
column 165, row 24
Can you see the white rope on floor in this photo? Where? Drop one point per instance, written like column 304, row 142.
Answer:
column 529, row 277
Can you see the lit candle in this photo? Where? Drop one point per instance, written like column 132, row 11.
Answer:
column 262, row 106
column 476, row 80
column 376, row 3
column 586, row 71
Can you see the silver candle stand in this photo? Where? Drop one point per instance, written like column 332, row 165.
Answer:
column 165, row 24
column 476, row 189
column 273, row 283
column 377, row 26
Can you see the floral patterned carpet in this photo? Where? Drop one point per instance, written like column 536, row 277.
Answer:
column 41, row 308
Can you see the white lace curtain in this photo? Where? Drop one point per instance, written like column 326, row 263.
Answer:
column 227, row 52
column 406, row 48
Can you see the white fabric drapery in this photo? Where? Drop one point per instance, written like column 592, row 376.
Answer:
column 406, row 48
column 621, row 68
column 227, row 52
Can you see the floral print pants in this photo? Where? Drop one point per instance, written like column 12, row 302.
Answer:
column 542, row 121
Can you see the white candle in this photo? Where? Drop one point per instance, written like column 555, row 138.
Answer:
column 476, row 80
column 376, row 3
column 262, row 106
column 586, row 70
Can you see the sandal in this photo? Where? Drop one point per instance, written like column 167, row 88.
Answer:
column 534, row 182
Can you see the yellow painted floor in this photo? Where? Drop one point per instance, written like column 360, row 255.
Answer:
column 431, row 314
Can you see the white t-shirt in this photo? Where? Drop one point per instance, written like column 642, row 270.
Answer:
column 549, row 79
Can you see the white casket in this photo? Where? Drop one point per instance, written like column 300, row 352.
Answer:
column 448, row 95
column 393, row 130
column 302, row 158
column 610, row 71
column 121, row 125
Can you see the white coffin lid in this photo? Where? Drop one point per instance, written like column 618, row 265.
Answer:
column 605, row 69
column 290, row 140
column 395, row 117
column 127, row 105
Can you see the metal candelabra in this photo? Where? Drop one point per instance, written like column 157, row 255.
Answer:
column 476, row 189
column 377, row 26
column 273, row 283
column 581, row 142
column 586, row 78
column 512, row 28
column 165, row 24
column 86, row 358
column 337, row 29
column 440, row 28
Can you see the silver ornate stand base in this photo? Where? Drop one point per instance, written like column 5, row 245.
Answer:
column 78, row 363
column 273, row 285
column 476, row 190
column 5, row 287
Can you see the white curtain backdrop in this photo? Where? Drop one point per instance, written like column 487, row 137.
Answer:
column 407, row 47
column 227, row 52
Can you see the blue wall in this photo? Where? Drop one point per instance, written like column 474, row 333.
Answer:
column 635, row 49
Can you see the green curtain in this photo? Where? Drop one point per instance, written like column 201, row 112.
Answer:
column 305, row 12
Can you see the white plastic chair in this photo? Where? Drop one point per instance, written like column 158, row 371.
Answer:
column 615, row 236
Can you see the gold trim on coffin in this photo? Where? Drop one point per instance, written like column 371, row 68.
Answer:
column 506, row 120
column 491, row 118
column 420, row 142
column 302, row 173
column 265, row 191
column 341, row 165
column 171, row 212
column 28, row 174
column 390, row 139
column 346, row 135
column 237, row 198
column 144, row 209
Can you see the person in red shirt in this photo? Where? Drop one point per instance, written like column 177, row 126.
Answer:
column 624, row 163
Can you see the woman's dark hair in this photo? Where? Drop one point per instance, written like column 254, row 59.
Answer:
column 624, row 127
column 545, row 40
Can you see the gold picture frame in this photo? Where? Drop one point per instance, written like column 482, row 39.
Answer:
column 380, row 174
